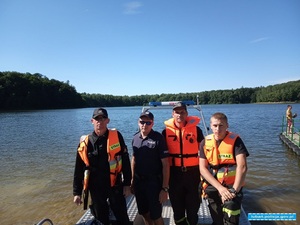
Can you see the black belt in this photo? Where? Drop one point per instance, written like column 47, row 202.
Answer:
column 184, row 168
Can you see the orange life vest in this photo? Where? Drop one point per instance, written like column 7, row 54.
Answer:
column 221, row 159
column 115, row 161
column 182, row 143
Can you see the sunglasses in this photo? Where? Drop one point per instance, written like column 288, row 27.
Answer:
column 100, row 118
column 145, row 122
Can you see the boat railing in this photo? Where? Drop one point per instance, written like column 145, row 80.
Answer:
column 45, row 221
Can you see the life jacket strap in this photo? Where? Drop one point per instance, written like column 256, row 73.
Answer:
column 184, row 155
column 217, row 167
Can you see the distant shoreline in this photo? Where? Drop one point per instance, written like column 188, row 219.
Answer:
column 275, row 102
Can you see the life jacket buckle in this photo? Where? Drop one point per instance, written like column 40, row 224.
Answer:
column 183, row 169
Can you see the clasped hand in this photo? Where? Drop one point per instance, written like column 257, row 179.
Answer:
column 226, row 194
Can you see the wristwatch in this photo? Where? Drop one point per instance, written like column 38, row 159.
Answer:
column 166, row 189
column 232, row 190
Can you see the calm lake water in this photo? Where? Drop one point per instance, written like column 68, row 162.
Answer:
column 38, row 148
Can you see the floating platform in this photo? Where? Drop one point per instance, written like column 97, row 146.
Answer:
column 291, row 140
column 167, row 214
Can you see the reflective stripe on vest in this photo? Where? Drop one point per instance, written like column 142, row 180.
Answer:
column 113, row 148
column 182, row 143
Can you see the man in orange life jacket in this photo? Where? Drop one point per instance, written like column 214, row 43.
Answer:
column 103, row 157
column 183, row 138
column 223, row 166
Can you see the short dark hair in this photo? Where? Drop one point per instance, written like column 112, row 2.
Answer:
column 220, row 116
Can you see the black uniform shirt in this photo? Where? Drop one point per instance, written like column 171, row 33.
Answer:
column 148, row 153
column 99, row 165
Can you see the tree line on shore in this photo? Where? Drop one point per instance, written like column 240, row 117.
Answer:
column 36, row 91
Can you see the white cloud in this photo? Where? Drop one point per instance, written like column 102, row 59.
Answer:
column 259, row 40
column 132, row 7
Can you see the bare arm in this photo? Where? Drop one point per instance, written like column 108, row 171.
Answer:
column 132, row 167
column 133, row 172
column 166, row 172
column 163, row 196
column 241, row 170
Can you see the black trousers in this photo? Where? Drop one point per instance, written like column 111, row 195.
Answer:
column 184, row 194
column 216, row 207
column 146, row 190
column 116, row 201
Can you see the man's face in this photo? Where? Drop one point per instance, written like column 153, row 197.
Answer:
column 100, row 123
column 179, row 114
column 219, row 128
column 145, row 124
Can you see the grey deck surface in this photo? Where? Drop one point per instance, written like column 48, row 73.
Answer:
column 167, row 214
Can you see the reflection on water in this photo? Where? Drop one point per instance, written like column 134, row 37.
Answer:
column 38, row 152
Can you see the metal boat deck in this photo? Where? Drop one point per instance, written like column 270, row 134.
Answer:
column 167, row 214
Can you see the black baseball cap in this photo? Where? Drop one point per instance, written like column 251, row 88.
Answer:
column 147, row 114
column 179, row 105
column 100, row 112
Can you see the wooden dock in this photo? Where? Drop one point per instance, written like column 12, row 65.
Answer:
column 292, row 140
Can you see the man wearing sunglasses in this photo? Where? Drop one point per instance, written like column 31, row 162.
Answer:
column 102, row 160
column 150, row 169
column 183, row 138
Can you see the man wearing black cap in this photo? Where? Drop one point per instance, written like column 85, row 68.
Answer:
column 183, row 138
column 150, row 168
column 102, row 159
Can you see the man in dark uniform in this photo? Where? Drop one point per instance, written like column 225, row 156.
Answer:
column 150, row 168
column 98, row 154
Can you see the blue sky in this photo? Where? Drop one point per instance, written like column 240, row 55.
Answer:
column 153, row 46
